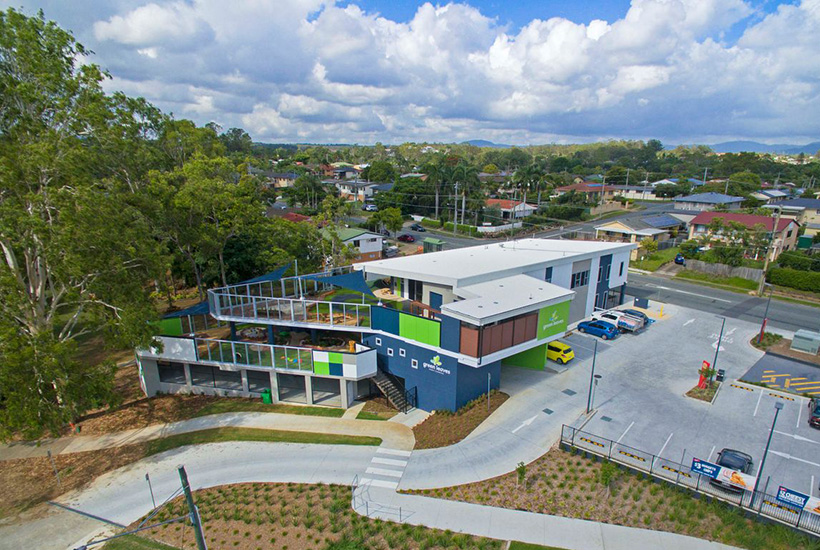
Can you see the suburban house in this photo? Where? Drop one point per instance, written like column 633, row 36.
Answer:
column 784, row 237
column 432, row 331
column 345, row 173
column 368, row 244
column 805, row 211
column 657, row 228
column 275, row 180
column 771, row 196
column 419, row 175
column 510, row 209
column 707, row 201
column 593, row 191
column 355, row 190
column 635, row 192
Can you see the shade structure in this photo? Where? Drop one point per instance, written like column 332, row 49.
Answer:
column 202, row 308
column 267, row 277
column 351, row 281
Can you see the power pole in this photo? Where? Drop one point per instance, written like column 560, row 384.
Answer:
column 463, row 205
column 627, row 176
column 769, row 252
column 194, row 513
column 704, row 175
column 455, row 210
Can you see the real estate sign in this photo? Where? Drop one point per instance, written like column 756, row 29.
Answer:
column 553, row 320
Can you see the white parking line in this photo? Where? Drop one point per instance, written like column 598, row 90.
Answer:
column 797, row 437
column 799, row 412
column 759, row 397
column 790, row 457
column 665, row 444
column 710, row 454
column 623, row 434
column 689, row 293
column 388, row 461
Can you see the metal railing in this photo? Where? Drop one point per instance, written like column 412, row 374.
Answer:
column 411, row 398
column 253, row 354
column 285, row 287
column 361, row 503
column 681, row 475
column 288, row 310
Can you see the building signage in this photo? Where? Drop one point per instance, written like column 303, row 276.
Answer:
column 552, row 320
column 792, row 498
column 435, row 366
column 705, row 468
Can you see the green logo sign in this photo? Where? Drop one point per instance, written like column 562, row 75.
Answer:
column 436, row 361
column 552, row 320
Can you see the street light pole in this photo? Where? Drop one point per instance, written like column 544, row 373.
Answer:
column 766, row 314
column 592, row 375
column 769, row 252
column 777, row 407
column 717, row 350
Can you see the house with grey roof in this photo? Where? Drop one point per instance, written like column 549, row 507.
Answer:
column 703, row 202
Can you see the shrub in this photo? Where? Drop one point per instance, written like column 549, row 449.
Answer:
column 429, row 222
column 798, row 261
column 792, row 278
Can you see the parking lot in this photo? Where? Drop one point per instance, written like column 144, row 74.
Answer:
column 641, row 403
column 782, row 372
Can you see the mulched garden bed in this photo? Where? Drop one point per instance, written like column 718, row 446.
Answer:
column 445, row 428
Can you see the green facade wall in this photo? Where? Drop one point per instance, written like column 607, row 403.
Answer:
column 171, row 327
column 553, row 320
column 419, row 329
column 534, row 358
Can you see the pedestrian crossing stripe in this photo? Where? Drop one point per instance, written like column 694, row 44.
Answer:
column 630, row 455
column 593, row 442
column 741, row 387
column 781, row 396
column 674, row 471
column 780, row 506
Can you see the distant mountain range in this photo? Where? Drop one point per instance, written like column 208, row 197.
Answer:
column 755, row 147
column 485, row 143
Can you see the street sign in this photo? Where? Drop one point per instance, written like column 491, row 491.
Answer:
column 705, row 468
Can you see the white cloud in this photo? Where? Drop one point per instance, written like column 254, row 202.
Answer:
column 313, row 70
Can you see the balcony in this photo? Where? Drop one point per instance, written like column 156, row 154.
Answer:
column 233, row 355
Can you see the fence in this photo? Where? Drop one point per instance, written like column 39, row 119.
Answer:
column 361, row 502
column 724, row 270
column 760, row 503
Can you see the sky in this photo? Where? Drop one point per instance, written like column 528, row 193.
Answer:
column 516, row 72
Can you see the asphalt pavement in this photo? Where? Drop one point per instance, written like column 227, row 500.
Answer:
column 784, row 315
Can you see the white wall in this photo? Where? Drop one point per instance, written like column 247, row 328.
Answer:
column 593, row 286
column 446, row 292
column 366, row 247
column 614, row 279
column 174, row 349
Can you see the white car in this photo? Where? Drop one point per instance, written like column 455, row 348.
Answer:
column 619, row 319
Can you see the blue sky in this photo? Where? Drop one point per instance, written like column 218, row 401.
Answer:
column 522, row 72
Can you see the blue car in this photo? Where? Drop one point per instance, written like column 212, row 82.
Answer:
column 605, row 330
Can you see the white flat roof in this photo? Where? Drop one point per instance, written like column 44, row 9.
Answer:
column 503, row 298
column 648, row 231
column 465, row 266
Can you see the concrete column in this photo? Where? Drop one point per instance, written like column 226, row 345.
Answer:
column 274, row 387
column 343, row 393
column 188, row 379
column 309, row 390
column 245, row 390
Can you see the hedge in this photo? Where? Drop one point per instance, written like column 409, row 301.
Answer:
column 465, row 229
column 428, row 222
column 799, row 261
column 793, row 278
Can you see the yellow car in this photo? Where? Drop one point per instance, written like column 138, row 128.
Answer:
column 559, row 352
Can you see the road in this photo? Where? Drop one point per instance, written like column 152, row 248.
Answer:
column 783, row 315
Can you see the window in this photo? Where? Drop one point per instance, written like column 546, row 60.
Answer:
column 390, row 352
column 548, row 275
column 378, row 341
column 258, row 381
column 580, row 279
column 171, row 373
column 600, row 273
column 789, row 234
column 608, row 271
column 228, row 380
column 402, row 353
column 553, row 348
column 202, row 376
column 621, row 270
column 414, row 363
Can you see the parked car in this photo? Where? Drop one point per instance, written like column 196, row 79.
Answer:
column 368, row 207
column 680, row 259
column 405, row 238
column 559, row 352
column 734, row 460
column 640, row 315
column 390, row 251
column 603, row 329
column 620, row 319
column 814, row 412
column 418, row 227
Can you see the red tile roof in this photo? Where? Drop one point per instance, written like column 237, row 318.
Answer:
column 505, row 204
column 749, row 220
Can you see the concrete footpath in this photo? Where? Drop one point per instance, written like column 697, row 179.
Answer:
column 393, row 434
column 506, row 524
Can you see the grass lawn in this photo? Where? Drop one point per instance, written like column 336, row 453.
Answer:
column 735, row 282
column 571, row 485
column 250, row 405
column 131, row 542
column 654, row 261
column 253, row 434
column 291, row 516
column 377, row 408
column 445, row 428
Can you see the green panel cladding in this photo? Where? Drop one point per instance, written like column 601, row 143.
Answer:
column 419, row 329
column 171, row 327
column 533, row 358
column 553, row 320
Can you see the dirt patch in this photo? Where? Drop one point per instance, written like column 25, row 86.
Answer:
column 29, row 481
column 782, row 348
column 377, row 408
column 256, row 516
column 445, row 428
column 565, row 484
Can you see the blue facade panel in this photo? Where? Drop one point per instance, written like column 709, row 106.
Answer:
column 472, row 382
column 450, row 333
column 603, row 284
column 434, row 375
column 385, row 319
